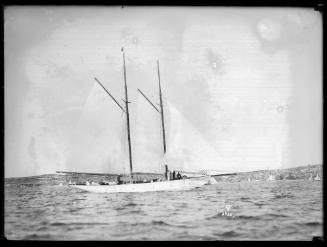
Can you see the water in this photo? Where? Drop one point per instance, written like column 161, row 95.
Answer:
column 40, row 209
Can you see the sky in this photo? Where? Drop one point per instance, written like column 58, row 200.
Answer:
column 242, row 88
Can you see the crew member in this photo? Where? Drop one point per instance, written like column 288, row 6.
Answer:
column 118, row 180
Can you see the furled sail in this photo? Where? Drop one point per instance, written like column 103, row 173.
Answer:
column 187, row 149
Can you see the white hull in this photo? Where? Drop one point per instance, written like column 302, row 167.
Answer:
column 173, row 185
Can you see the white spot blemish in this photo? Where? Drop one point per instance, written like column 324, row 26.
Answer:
column 269, row 30
column 280, row 109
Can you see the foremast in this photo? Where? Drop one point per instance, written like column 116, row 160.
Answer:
column 126, row 111
column 127, row 117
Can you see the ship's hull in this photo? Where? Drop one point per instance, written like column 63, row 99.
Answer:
column 173, row 185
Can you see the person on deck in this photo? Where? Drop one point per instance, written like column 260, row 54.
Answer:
column 118, row 180
column 174, row 175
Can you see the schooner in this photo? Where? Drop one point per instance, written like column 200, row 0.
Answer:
column 143, row 186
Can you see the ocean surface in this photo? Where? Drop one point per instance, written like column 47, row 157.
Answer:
column 37, row 208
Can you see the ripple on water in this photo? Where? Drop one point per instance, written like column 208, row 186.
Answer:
column 230, row 234
column 274, row 216
column 36, row 236
column 248, row 217
column 159, row 223
column 43, row 228
column 313, row 223
column 281, row 196
column 130, row 204
column 246, row 199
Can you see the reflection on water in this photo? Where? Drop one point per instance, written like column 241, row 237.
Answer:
column 279, row 210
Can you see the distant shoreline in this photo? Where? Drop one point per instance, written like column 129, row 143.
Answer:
column 290, row 169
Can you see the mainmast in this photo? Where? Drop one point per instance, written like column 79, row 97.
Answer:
column 161, row 113
column 161, row 110
column 127, row 117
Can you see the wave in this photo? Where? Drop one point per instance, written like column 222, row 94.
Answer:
column 283, row 196
column 159, row 223
column 230, row 234
column 73, row 210
column 277, row 215
column 155, row 223
column 130, row 204
column 137, row 211
column 26, row 185
column 248, row 217
column 77, row 224
column 58, row 224
column 37, row 236
column 128, row 207
column 313, row 223
column 43, row 228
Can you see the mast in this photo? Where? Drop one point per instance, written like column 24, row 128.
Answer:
column 161, row 110
column 127, row 117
